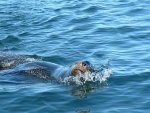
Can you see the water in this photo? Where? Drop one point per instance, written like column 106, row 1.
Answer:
column 63, row 32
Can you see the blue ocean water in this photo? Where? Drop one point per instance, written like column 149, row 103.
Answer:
column 66, row 31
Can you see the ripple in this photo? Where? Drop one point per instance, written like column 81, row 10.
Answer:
column 137, row 11
column 24, row 34
column 11, row 42
column 92, row 9
column 84, row 28
column 131, row 79
column 140, row 36
column 54, row 58
column 64, row 31
column 80, row 20
column 129, row 29
column 109, row 30
column 1, row 44
column 11, row 39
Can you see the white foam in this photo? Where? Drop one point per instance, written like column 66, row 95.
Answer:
column 100, row 76
column 30, row 59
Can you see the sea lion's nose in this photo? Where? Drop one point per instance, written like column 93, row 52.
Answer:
column 82, row 79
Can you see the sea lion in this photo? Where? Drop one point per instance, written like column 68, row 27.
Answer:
column 51, row 71
column 47, row 70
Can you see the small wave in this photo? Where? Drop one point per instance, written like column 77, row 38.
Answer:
column 105, row 30
column 91, row 9
column 11, row 39
column 24, row 34
column 10, row 42
column 79, row 20
column 99, row 76
column 136, row 11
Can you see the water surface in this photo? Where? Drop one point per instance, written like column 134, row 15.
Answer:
column 67, row 31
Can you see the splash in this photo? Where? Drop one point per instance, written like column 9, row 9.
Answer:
column 100, row 75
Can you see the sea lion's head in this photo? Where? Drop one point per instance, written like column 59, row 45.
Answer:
column 81, row 68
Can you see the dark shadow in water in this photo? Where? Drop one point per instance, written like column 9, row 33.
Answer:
column 82, row 91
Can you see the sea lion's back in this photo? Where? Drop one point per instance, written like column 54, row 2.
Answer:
column 39, row 67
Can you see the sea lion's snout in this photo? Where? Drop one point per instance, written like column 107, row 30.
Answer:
column 81, row 68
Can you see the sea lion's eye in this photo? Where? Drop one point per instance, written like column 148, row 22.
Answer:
column 84, row 64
